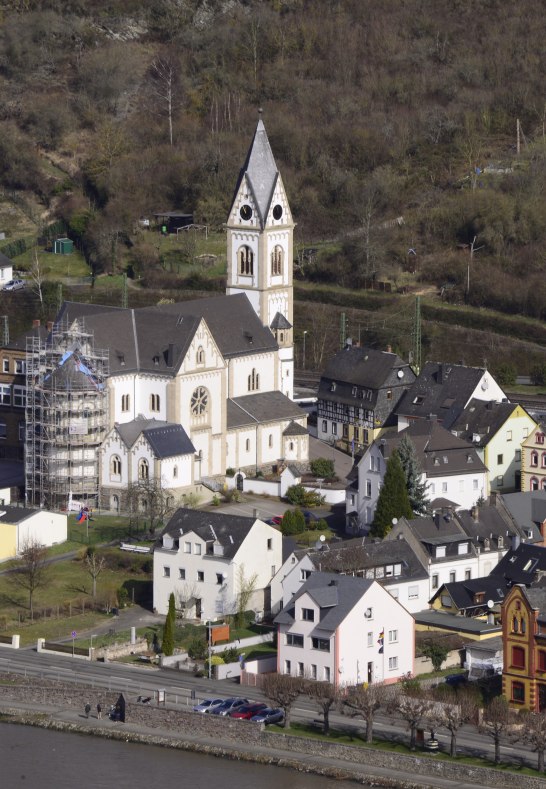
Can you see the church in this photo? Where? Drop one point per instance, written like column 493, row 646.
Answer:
column 176, row 393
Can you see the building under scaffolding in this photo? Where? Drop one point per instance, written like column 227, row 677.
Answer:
column 66, row 416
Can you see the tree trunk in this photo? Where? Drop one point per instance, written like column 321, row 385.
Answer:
column 453, row 747
column 497, row 750
column 326, row 721
column 413, row 736
column 540, row 759
column 369, row 727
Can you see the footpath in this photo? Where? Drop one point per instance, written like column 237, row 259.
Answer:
column 70, row 716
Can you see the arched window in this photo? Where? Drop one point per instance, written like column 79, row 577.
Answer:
column 276, row 261
column 253, row 380
column 246, row 261
column 175, row 472
column 247, row 445
column 543, row 460
column 544, row 484
column 115, row 466
column 143, row 469
column 291, row 446
column 125, row 402
column 534, row 458
column 114, row 503
column 534, row 483
column 271, row 439
column 154, row 402
column 200, row 356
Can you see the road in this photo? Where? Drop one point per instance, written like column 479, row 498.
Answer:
column 182, row 690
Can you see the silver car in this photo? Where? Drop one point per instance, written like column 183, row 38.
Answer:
column 207, row 705
column 14, row 284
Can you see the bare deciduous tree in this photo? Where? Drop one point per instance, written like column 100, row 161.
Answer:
column 497, row 719
column 458, row 709
column 415, row 706
column 164, row 73
column 184, row 593
column 326, row 695
column 366, row 700
column 31, row 574
column 283, row 690
column 148, row 498
column 94, row 565
column 534, row 732
column 37, row 277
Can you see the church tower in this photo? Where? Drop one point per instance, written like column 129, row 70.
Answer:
column 260, row 251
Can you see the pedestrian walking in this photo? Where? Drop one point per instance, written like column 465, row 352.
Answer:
column 87, row 709
column 99, row 711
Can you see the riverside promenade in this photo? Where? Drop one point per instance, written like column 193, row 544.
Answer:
column 52, row 706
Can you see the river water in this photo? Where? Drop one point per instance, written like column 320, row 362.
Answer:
column 40, row 759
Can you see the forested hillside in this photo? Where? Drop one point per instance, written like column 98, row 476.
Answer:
column 394, row 125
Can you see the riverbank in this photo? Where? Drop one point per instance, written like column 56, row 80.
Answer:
column 50, row 705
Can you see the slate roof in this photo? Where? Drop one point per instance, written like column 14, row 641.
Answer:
column 537, row 598
column 336, row 595
column 19, row 343
column 521, row 565
column 15, row 515
column 488, row 524
column 353, row 556
column 365, row 368
column 463, row 592
column 261, row 172
column 525, row 512
column 280, row 322
column 156, row 339
column 5, row 262
column 229, row 531
column 293, row 429
column 481, row 421
column 261, row 407
column 439, row 452
column 441, row 388
column 165, row 438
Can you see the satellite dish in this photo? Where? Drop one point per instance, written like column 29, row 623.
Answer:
column 400, row 373
column 394, row 521
column 490, row 604
column 322, row 538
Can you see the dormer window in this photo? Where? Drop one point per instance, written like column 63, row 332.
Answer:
column 333, row 386
column 156, row 361
column 418, row 400
column 469, row 459
column 355, row 390
column 539, row 438
column 436, row 461
column 445, row 458
column 500, row 542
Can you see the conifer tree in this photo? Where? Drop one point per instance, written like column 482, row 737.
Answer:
column 167, row 645
column 417, row 490
column 393, row 501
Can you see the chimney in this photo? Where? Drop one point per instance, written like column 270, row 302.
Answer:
column 515, row 542
column 440, row 376
column 170, row 355
column 437, row 519
column 36, row 323
column 389, row 348
column 255, row 513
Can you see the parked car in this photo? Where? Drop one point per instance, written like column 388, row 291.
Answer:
column 275, row 521
column 14, row 284
column 246, row 711
column 269, row 715
column 227, row 706
column 310, row 516
column 207, row 705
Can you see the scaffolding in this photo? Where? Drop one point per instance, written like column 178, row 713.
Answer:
column 66, row 416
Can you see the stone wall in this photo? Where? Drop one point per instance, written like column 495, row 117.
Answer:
column 241, row 733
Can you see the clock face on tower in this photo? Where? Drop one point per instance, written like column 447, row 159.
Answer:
column 199, row 401
column 277, row 211
column 246, row 212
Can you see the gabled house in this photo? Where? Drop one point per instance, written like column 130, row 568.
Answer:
column 450, row 466
column 205, row 559
column 479, row 597
column 137, row 452
column 452, row 545
column 523, row 564
column 533, row 460
column 345, row 630
column 497, row 431
column 395, row 566
column 524, row 647
column 357, row 395
column 445, row 390
column 527, row 512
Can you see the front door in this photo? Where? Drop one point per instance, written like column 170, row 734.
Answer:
column 370, row 673
column 198, row 608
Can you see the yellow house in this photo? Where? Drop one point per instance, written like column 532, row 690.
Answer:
column 497, row 430
column 524, row 647
column 20, row 524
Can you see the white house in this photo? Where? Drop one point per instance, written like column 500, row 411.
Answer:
column 6, row 270
column 451, row 468
column 345, row 630
column 401, row 570
column 206, row 559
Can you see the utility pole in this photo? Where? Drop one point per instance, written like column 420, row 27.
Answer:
column 417, row 336
column 343, row 331
column 473, row 248
column 124, row 293
column 304, row 336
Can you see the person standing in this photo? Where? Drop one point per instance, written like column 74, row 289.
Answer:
column 99, row 711
column 87, row 709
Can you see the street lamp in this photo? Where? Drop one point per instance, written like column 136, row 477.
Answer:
column 209, row 625
column 304, row 336
column 91, row 648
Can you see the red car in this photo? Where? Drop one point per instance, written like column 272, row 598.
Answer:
column 248, row 710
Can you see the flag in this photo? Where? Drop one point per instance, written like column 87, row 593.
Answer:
column 380, row 641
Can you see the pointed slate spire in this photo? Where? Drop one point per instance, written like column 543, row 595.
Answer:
column 261, row 171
